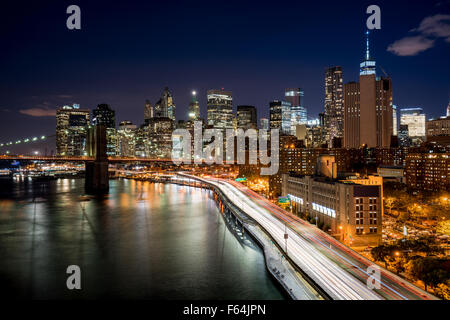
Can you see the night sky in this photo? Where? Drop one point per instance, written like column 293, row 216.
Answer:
column 127, row 51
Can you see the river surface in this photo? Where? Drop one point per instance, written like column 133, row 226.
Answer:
column 142, row 241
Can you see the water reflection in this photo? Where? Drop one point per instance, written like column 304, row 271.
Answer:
column 142, row 240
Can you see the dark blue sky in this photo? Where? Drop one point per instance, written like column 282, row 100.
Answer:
column 127, row 51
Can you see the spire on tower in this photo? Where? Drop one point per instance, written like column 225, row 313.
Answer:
column 367, row 67
column 367, row 46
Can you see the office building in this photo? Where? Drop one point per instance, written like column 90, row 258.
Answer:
column 220, row 109
column 403, row 136
column 71, row 130
column 165, row 107
column 104, row 115
column 415, row 119
column 368, row 108
column 280, row 116
column 194, row 108
column 438, row 130
column 394, row 121
column 299, row 114
column 246, row 117
column 334, row 103
column 148, row 110
column 158, row 136
column 349, row 209
column 126, row 139
column 264, row 123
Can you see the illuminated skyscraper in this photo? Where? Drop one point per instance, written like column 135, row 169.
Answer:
column 394, row 121
column 71, row 130
column 264, row 123
column 334, row 103
column 220, row 109
column 148, row 110
column 368, row 66
column 104, row 115
column 448, row 109
column 194, row 107
column 126, row 139
column 280, row 116
column 415, row 119
column 299, row 114
column 246, row 117
column 368, row 108
column 165, row 107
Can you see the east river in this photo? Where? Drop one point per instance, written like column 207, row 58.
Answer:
column 141, row 241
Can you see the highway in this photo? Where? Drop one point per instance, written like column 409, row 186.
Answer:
column 334, row 267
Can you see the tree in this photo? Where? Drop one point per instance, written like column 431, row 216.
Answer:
column 427, row 269
column 381, row 253
column 443, row 290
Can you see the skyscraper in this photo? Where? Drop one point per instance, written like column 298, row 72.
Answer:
column 148, row 111
column 194, row 107
column 165, row 107
column 246, row 117
column 280, row 116
column 403, row 136
column 394, row 120
column 368, row 108
column 264, row 123
column 415, row 119
column 220, row 109
column 448, row 109
column 126, row 139
column 104, row 115
column 71, row 130
column 334, row 103
column 299, row 114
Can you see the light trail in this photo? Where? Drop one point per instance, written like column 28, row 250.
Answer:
column 338, row 270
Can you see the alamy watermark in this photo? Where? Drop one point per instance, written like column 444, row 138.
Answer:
column 373, row 281
column 213, row 151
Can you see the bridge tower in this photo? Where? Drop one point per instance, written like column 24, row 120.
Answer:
column 97, row 179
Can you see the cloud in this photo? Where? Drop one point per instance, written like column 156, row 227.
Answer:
column 410, row 46
column 430, row 29
column 436, row 26
column 39, row 112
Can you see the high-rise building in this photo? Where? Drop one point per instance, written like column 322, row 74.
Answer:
column 334, row 103
column 246, row 117
column 220, row 109
column 403, row 136
column 71, row 130
column 104, row 115
column 368, row 66
column 159, row 138
column 428, row 171
column 448, row 109
column 126, row 139
column 148, row 110
column 394, row 120
column 280, row 116
column 194, row 108
column 415, row 119
column 438, row 130
column 264, row 123
column 165, row 107
column 368, row 108
column 299, row 114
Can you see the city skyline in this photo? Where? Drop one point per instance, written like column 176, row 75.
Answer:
column 121, row 81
